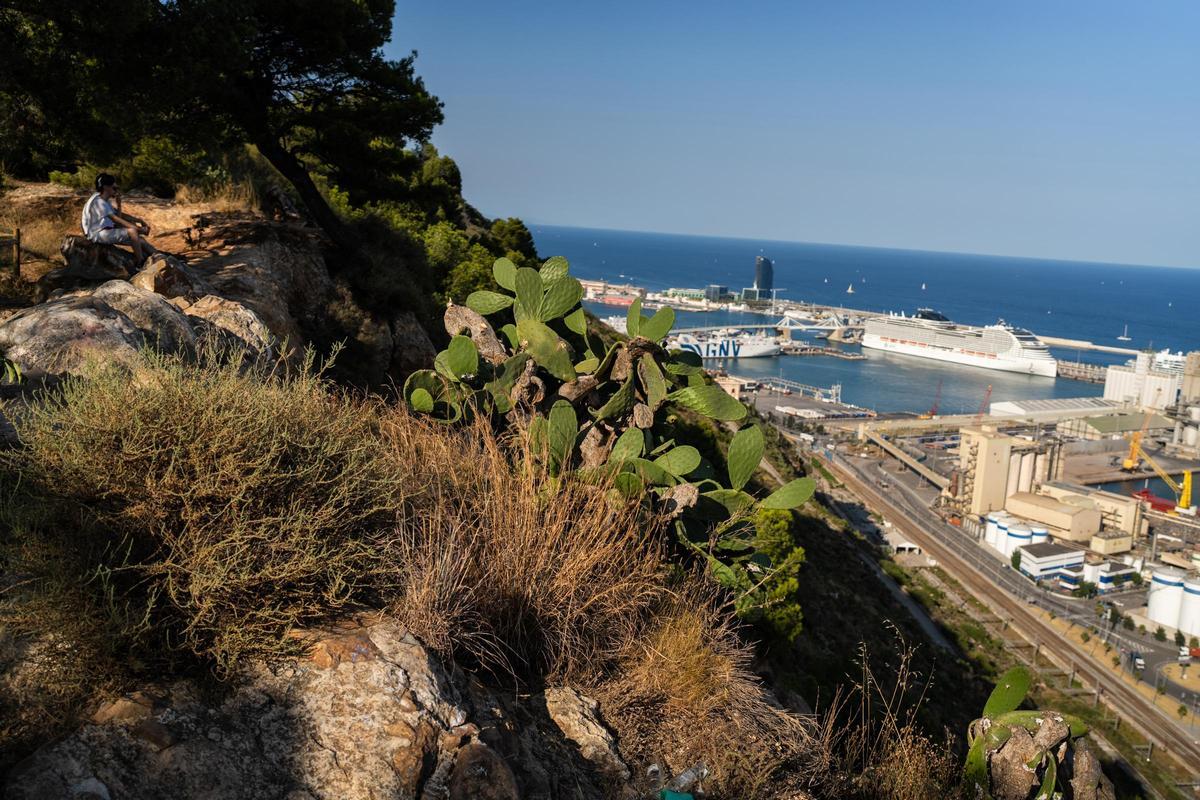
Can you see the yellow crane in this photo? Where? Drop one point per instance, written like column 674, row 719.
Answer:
column 1182, row 488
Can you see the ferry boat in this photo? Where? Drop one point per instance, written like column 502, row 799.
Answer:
column 726, row 344
column 928, row 334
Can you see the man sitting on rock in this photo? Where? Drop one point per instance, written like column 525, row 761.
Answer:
column 105, row 223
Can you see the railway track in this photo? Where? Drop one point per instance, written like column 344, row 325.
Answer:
column 1130, row 704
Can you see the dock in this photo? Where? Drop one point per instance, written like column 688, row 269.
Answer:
column 1078, row 371
column 795, row 348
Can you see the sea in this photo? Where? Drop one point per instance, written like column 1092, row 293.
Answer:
column 1066, row 299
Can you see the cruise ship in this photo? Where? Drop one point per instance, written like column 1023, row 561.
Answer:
column 928, row 334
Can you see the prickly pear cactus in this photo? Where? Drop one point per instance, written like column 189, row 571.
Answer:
column 1017, row 755
column 524, row 357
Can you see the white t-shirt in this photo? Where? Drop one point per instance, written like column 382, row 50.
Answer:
column 97, row 215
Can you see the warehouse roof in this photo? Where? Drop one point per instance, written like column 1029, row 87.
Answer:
column 1058, row 405
column 1049, row 550
column 1125, row 423
column 1048, row 503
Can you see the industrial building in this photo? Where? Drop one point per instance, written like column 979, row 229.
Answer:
column 1115, row 426
column 1185, row 438
column 1174, row 600
column 1069, row 521
column 1053, row 409
column 993, row 466
column 1106, row 576
column 1048, row 560
column 1141, row 385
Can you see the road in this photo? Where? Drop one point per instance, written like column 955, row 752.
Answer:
column 989, row 584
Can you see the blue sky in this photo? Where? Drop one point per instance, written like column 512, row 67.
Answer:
column 1066, row 129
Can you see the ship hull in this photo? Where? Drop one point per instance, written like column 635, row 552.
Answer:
column 728, row 348
column 1046, row 368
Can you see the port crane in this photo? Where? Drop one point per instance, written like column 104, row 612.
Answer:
column 1182, row 488
column 983, row 407
column 933, row 410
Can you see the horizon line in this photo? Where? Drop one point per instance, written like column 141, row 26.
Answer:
column 870, row 247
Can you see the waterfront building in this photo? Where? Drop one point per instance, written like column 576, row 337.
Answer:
column 1140, row 384
column 1049, row 560
column 764, row 280
column 764, row 275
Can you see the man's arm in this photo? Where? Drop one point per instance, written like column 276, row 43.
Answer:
column 128, row 220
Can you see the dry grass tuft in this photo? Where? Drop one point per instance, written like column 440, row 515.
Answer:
column 235, row 503
column 684, row 693
column 514, row 571
column 870, row 745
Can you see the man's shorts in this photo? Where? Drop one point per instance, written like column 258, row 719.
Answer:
column 112, row 236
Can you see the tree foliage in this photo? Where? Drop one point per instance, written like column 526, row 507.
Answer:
column 301, row 80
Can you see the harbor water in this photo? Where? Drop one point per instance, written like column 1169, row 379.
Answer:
column 1054, row 298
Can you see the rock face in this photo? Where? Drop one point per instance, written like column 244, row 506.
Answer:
column 111, row 323
column 1078, row 766
column 369, row 714
column 230, row 327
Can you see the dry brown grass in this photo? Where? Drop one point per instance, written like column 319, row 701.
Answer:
column 870, row 745
column 510, row 569
column 232, row 195
column 236, row 503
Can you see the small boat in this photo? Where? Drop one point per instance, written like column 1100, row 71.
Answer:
column 850, row 289
column 922, row 287
column 1125, row 337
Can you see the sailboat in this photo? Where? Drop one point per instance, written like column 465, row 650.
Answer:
column 922, row 287
column 850, row 289
column 1124, row 337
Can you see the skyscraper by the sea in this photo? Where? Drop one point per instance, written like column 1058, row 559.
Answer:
column 764, row 279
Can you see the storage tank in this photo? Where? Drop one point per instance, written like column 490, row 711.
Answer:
column 989, row 532
column 1165, row 598
column 1189, row 613
column 1019, row 535
column 1040, row 534
column 1001, row 539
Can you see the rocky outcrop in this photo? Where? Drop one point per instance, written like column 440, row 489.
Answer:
column 113, row 322
column 166, row 275
column 230, row 327
column 271, row 290
column 367, row 714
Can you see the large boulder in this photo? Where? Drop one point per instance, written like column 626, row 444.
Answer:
column 86, row 264
column 66, row 335
column 230, row 328
column 278, row 271
column 166, row 275
column 163, row 325
column 367, row 714
column 108, row 324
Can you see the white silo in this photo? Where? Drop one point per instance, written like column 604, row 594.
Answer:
column 1001, row 540
column 989, row 531
column 1040, row 534
column 1014, row 472
column 1189, row 612
column 1165, row 598
column 1019, row 535
column 1025, row 481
